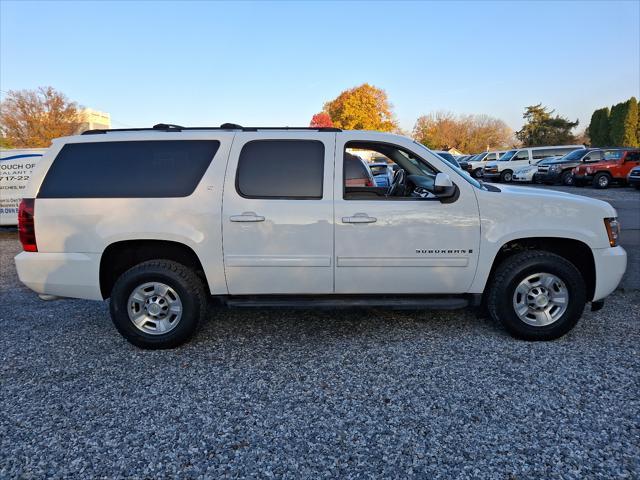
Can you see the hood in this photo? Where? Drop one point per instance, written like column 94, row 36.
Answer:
column 492, row 163
column 561, row 199
column 520, row 212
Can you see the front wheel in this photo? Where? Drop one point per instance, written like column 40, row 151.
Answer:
column 601, row 180
column 477, row 173
column 536, row 295
column 506, row 176
column 567, row 178
column 158, row 304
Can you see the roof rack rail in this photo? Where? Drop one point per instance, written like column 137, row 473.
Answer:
column 170, row 127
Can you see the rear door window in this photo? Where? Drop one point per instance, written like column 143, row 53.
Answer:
column 141, row 169
column 281, row 169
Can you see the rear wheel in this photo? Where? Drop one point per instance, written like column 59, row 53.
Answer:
column 536, row 295
column 602, row 180
column 506, row 176
column 158, row 304
column 567, row 178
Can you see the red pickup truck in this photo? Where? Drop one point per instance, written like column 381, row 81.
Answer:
column 615, row 167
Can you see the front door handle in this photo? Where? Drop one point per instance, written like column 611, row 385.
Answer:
column 359, row 218
column 246, row 217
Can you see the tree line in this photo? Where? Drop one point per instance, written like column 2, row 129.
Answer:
column 32, row 118
column 366, row 107
column 616, row 126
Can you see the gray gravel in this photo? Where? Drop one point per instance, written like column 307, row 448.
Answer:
column 314, row 394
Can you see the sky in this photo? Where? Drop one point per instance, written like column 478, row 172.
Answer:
column 205, row 63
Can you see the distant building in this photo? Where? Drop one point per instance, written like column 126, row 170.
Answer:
column 92, row 119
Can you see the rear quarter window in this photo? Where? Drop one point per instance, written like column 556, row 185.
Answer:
column 139, row 169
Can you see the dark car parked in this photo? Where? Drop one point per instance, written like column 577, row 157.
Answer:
column 633, row 179
column 559, row 170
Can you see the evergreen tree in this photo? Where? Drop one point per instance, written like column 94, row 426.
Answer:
column 616, row 124
column 630, row 138
column 598, row 129
column 541, row 128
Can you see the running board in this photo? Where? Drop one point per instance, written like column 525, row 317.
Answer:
column 346, row 301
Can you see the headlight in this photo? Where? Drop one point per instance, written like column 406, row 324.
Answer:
column 613, row 230
column 554, row 168
column 588, row 169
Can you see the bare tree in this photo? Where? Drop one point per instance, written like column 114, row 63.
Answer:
column 467, row 133
column 32, row 118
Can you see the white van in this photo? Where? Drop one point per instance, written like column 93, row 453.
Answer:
column 503, row 168
column 16, row 166
column 477, row 162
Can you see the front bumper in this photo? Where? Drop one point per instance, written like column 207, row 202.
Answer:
column 546, row 177
column 633, row 181
column 490, row 175
column 74, row 275
column 611, row 264
column 519, row 177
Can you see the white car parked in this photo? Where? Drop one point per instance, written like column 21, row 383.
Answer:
column 525, row 174
column 503, row 169
column 159, row 220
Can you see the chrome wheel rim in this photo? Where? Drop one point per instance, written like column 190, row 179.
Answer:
column 154, row 308
column 507, row 177
column 603, row 181
column 540, row 299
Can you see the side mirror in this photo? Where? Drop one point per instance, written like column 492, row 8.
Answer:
column 443, row 186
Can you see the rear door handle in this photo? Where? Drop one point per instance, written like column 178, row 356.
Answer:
column 247, row 217
column 359, row 218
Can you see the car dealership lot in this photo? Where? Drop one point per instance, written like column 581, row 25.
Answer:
column 304, row 393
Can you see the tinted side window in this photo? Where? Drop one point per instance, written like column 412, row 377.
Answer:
column 593, row 157
column 538, row 154
column 140, row 169
column 523, row 155
column 281, row 169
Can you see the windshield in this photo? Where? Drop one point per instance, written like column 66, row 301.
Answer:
column 449, row 158
column 458, row 170
column 574, row 155
column 507, row 156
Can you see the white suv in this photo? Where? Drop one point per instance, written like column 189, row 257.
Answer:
column 159, row 220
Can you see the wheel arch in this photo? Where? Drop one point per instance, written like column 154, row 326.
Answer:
column 575, row 251
column 120, row 256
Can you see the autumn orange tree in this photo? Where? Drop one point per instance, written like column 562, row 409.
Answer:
column 362, row 108
column 32, row 118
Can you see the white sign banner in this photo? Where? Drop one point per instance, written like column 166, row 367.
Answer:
column 15, row 170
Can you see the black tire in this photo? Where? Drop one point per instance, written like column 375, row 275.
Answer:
column 506, row 176
column 567, row 178
column 602, row 180
column 516, row 268
column 182, row 280
column 477, row 173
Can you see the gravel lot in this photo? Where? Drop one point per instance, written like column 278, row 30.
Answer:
column 315, row 394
